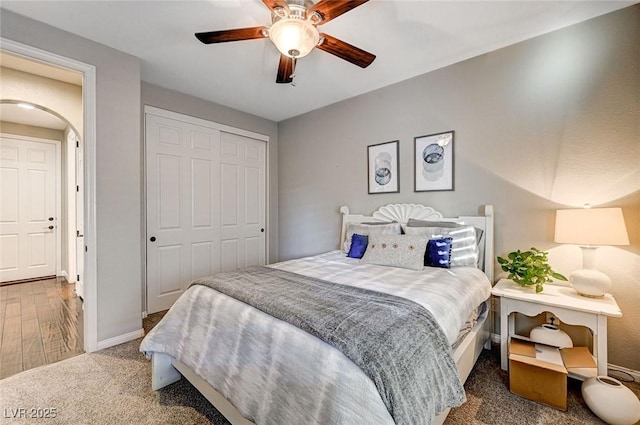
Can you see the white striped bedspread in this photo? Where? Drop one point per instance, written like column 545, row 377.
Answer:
column 277, row 374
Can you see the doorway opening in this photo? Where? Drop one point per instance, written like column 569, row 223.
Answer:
column 84, row 228
column 40, row 161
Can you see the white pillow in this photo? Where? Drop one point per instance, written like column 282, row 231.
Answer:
column 403, row 251
column 464, row 248
column 366, row 229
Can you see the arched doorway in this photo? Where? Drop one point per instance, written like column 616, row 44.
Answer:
column 40, row 126
column 39, row 266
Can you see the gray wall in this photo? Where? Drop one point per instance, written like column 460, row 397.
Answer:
column 171, row 100
column 548, row 123
column 118, row 167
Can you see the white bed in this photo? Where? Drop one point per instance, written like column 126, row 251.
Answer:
column 333, row 266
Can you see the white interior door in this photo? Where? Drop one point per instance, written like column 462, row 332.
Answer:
column 242, row 201
column 205, row 204
column 79, row 226
column 28, row 212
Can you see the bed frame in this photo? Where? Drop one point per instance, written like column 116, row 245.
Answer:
column 166, row 370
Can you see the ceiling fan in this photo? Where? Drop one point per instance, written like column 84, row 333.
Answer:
column 294, row 32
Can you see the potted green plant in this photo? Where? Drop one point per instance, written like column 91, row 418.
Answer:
column 528, row 268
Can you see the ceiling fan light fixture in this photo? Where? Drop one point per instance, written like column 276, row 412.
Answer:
column 294, row 37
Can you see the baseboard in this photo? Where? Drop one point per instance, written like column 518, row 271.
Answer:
column 120, row 339
column 144, row 314
column 495, row 338
column 64, row 274
column 622, row 371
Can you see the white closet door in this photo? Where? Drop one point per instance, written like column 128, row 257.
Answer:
column 28, row 209
column 242, row 201
column 182, row 163
column 206, row 208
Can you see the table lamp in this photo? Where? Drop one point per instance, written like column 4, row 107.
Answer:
column 590, row 228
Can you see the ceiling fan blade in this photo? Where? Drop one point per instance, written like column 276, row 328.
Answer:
column 346, row 51
column 285, row 69
column 231, row 35
column 272, row 4
column 330, row 9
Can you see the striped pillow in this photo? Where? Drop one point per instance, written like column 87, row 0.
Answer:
column 464, row 248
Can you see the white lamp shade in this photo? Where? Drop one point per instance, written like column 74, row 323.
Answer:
column 294, row 37
column 591, row 226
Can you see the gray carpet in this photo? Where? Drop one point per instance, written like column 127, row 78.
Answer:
column 113, row 386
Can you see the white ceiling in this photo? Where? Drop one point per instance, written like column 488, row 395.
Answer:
column 409, row 38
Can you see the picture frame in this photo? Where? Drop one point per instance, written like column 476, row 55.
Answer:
column 383, row 169
column 433, row 157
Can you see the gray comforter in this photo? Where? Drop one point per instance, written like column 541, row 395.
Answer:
column 395, row 341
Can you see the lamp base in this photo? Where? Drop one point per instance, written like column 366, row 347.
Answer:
column 590, row 283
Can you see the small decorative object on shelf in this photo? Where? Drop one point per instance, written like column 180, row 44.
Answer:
column 611, row 401
column 550, row 334
column 528, row 268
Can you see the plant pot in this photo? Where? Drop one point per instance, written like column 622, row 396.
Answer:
column 611, row 401
column 531, row 288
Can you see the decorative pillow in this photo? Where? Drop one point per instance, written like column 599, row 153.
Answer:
column 396, row 250
column 358, row 246
column 450, row 224
column 464, row 249
column 438, row 253
column 367, row 229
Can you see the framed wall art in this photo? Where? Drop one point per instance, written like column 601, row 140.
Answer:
column 384, row 174
column 433, row 160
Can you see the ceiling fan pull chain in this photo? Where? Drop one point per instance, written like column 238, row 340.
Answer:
column 293, row 72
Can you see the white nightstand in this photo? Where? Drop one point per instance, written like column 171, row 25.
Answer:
column 565, row 304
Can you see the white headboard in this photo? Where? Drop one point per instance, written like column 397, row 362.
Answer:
column 403, row 212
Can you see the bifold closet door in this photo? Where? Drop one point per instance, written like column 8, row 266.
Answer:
column 205, row 205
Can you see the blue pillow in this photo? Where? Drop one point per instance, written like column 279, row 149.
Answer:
column 438, row 253
column 358, row 245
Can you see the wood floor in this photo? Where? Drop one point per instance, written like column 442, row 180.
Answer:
column 40, row 323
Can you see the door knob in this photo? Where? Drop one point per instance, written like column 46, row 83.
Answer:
column 50, row 218
column 50, row 227
column 262, row 230
column 152, row 238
